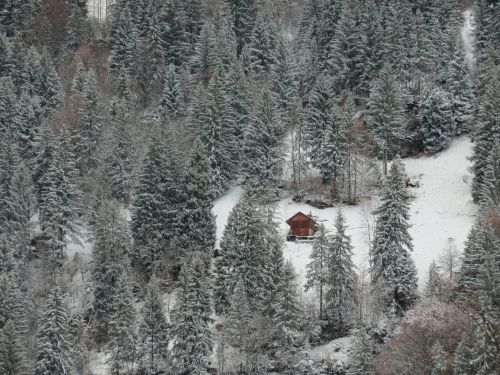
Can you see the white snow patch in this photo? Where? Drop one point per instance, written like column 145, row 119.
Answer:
column 335, row 351
column 442, row 209
column 222, row 208
column 443, row 206
column 98, row 363
column 468, row 37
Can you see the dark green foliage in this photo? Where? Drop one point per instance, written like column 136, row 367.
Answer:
column 190, row 319
column 392, row 265
column 195, row 221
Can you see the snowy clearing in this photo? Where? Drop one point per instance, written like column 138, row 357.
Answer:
column 442, row 209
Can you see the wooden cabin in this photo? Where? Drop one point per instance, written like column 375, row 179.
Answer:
column 302, row 227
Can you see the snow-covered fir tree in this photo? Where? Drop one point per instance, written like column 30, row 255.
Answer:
column 60, row 196
column 342, row 279
column 486, row 135
column 53, row 344
column 195, row 221
column 192, row 345
column 111, row 242
column 263, row 152
column 244, row 255
column 158, row 199
column 123, row 337
column 392, row 265
column 317, row 269
column 170, row 102
column 385, row 116
column 437, row 124
column 154, row 333
column 215, row 121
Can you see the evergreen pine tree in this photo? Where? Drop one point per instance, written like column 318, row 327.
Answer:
column 54, row 349
column 263, row 146
column 342, row 279
column 158, row 199
column 154, row 333
column 122, row 327
column 317, row 114
column 437, row 124
column 60, row 197
column 244, row 255
column 459, row 85
column 11, row 350
column 111, row 242
column 244, row 13
column 486, row 134
column 317, row 268
column 238, row 322
column 345, row 57
column 119, row 161
column 190, row 320
column 385, row 114
column 262, row 43
column 214, row 119
column 171, row 101
column 90, row 124
column 287, row 341
column 195, row 221
column 391, row 259
column 21, row 207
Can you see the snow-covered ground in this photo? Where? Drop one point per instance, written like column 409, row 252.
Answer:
column 441, row 209
column 467, row 36
column 335, row 351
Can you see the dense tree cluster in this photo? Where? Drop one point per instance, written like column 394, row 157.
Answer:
column 118, row 134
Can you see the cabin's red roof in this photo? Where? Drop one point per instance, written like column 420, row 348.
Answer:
column 302, row 216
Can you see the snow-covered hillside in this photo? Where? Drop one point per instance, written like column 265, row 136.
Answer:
column 441, row 209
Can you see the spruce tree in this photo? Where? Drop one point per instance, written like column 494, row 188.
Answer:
column 119, row 161
column 190, row 319
column 21, row 207
column 12, row 360
column 90, row 124
column 486, row 134
column 53, row 346
column 243, row 255
column 317, row 117
column 60, row 197
column 385, row 115
column 345, row 56
column 317, row 269
column 437, row 124
column 262, row 44
column 238, row 322
column 287, row 341
column 459, row 85
column 332, row 155
column 263, row 146
column 123, row 338
column 154, row 333
column 342, row 278
column 158, row 199
column 170, row 103
column 195, row 221
column 244, row 13
column 392, row 245
column 111, row 242
column 215, row 121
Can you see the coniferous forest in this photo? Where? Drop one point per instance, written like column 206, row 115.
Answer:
column 125, row 123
